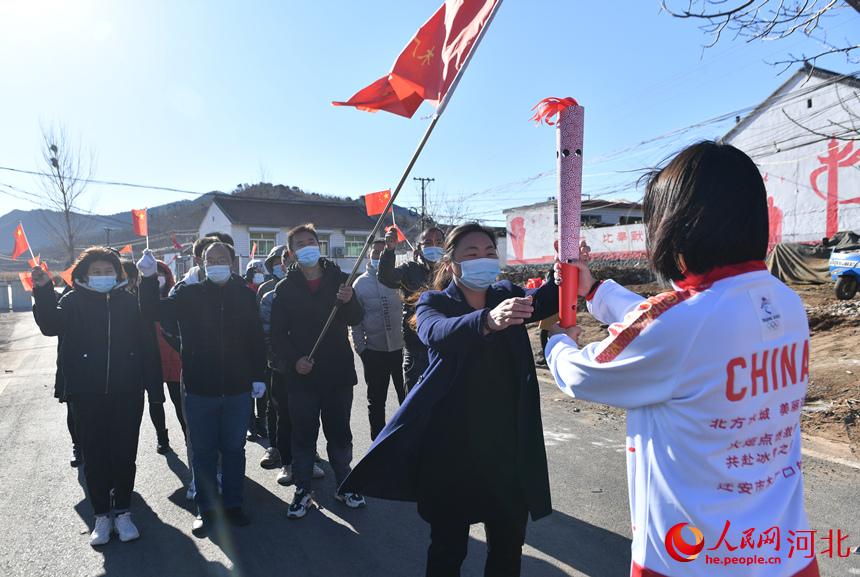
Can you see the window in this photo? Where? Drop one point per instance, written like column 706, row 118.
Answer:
column 265, row 243
column 324, row 242
column 591, row 219
column 630, row 220
column 354, row 244
column 809, row 103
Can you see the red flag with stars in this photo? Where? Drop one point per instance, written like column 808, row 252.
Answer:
column 426, row 68
column 400, row 236
column 376, row 202
column 21, row 245
column 138, row 219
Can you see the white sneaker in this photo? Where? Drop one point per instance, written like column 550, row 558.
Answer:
column 318, row 472
column 126, row 528
column 272, row 459
column 351, row 500
column 302, row 501
column 101, row 532
column 285, row 476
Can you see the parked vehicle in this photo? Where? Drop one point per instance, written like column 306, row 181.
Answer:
column 845, row 270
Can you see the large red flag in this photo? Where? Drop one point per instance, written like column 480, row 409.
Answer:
column 376, row 202
column 138, row 219
column 176, row 244
column 26, row 280
column 21, row 245
column 430, row 62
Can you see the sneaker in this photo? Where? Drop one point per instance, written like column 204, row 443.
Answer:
column 237, row 517
column 351, row 500
column 75, row 459
column 285, row 476
column 102, row 530
column 318, row 473
column 272, row 459
column 202, row 524
column 126, row 528
column 302, row 501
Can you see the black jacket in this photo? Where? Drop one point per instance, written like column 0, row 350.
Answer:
column 59, row 381
column 223, row 351
column 409, row 277
column 298, row 316
column 105, row 346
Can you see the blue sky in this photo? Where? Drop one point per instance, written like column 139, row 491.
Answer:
column 204, row 95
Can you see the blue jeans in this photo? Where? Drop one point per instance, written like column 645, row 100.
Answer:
column 217, row 425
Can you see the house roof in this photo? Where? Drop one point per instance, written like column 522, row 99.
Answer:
column 828, row 76
column 290, row 213
column 595, row 204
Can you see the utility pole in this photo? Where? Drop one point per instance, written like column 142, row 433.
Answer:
column 107, row 236
column 424, row 182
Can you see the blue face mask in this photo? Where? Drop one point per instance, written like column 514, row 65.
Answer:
column 102, row 284
column 218, row 273
column 278, row 271
column 374, row 263
column 478, row 274
column 308, row 256
column 433, row 253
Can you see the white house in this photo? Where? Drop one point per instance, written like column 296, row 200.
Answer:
column 343, row 228
column 812, row 177
column 532, row 229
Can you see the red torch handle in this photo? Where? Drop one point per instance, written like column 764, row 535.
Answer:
column 567, row 294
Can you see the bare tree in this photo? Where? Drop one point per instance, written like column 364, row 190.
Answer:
column 63, row 182
column 847, row 130
column 443, row 208
column 768, row 20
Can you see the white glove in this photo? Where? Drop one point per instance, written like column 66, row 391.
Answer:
column 258, row 389
column 147, row 265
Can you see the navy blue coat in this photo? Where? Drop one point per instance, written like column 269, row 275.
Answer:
column 449, row 327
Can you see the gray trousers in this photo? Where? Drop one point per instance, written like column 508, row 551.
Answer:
column 332, row 406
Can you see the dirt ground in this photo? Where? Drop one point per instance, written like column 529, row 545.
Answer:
column 832, row 408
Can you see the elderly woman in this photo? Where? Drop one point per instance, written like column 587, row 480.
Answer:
column 106, row 358
column 467, row 444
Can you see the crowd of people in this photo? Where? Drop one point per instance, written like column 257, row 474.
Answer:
column 240, row 358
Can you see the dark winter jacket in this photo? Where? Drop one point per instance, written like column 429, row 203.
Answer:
column 409, row 277
column 297, row 318
column 107, row 346
column 59, row 383
column 451, row 329
column 223, row 351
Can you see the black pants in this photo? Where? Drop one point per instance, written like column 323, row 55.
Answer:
column 380, row 368
column 309, row 405
column 278, row 417
column 157, row 416
column 108, row 427
column 414, row 362
column 449, row 541
column 70, row 423
column 544, row 339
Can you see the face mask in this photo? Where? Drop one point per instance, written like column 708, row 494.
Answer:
column 218, row 273
column 102, row 284
column 433, row 253
column 279, row 271
column 374, row 263
column 161, row 282
column 259, row 279
column 308, row 256
column 480, row 273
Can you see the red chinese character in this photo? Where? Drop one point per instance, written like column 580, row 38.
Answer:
column 747, row 460
column 764, row 415
column 795, row 406
column 805, row 542
column 734, row 445
column 745, row 488
column 722, row 540
column 752, row 420
column 732, row 462
column 759, row 486
column 718, row 424
column 636, row 235
column 607, row 238
column 729, row 487
column 840, row 538
column 790, row 473
column 788, row 431
column 750, row 442
column 748, row 539
column 784, row 409
column 763, row 458
column 770, row 537
column 765, row 440
column 738, row 423
column 622, row 236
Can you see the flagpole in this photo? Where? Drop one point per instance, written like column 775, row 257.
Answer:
column 439, row 110
column 27, row 240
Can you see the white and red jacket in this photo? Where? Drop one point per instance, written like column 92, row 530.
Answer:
column 713, row 376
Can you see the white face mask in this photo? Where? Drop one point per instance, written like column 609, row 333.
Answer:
column 308, row 256
column 102, row 284
column 259, row 279
column 218, row 273
column 433, row 253
column 478, row 274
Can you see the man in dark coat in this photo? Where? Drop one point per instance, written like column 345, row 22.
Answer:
column 318, row 388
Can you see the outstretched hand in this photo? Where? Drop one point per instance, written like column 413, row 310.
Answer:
column 147, row 265
column 509, row 313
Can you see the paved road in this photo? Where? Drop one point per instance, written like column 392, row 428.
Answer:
column 46, row 521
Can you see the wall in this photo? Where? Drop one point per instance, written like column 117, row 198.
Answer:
column 813, row 189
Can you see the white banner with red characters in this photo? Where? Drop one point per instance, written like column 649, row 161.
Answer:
column 625, row 241
column 531, row 235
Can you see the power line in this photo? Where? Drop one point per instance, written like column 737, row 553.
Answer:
column 108, row 182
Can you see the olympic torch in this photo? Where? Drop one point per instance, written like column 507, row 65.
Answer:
column 568, row 117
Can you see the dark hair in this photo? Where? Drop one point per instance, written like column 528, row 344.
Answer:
column 229, row 248
column 93, row 254
column 442, row 278
column 130, row 270
column 200, row 245
column 223, row 237
column 709, row 205
column 377, row 241
column 301, row 228
column 427, row 231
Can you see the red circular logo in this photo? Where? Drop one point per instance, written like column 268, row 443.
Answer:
column 679, row 548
